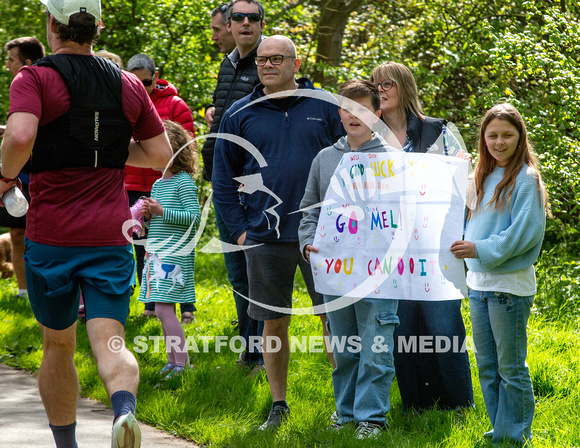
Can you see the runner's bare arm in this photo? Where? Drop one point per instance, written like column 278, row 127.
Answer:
column 17, row 143
column 151, row 153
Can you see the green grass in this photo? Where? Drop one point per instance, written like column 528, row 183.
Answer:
column 217, row 404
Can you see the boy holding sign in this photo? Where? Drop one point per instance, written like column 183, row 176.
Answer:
column 361, row 329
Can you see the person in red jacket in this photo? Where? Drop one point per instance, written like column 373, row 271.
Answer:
column 138, row 181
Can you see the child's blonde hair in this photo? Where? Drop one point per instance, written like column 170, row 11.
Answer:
column 524, row 153
column 186, row 159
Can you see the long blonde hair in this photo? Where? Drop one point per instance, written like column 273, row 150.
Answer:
column 524, row 153
column 408, row 96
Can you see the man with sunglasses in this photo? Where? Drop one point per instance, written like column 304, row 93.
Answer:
column 237, row 77
column 288, row 131
column 139, row 181
column 163, row 94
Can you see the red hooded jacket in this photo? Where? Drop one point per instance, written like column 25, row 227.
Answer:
column 169, row 107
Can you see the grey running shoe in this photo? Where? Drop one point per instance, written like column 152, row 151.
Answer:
column 277, row 415
column 368, row 430
column 258, row 368
column 335, row 425
column 126, row 432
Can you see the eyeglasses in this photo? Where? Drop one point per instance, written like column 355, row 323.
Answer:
column 223, row 8
column 276, row 59
column 387, row 84
column 252, row 16
column 147, row 82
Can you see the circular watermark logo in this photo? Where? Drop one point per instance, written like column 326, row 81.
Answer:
column 249, row 184
column 116, row 344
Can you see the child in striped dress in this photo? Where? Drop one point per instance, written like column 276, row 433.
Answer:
column 172, row 215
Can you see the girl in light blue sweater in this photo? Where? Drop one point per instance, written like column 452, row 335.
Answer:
column 503, row 238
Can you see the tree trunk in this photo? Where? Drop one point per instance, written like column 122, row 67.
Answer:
column 331, row 25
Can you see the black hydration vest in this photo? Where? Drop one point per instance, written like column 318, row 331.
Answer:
column 94, row 132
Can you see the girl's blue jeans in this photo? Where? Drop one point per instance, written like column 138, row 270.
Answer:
column 499, row 323
column 364, row 372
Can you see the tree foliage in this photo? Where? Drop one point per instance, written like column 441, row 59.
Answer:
column 466, row 56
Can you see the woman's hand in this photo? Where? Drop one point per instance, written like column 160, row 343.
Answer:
column 463, row 249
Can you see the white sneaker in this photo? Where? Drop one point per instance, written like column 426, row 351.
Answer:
column 126, row 432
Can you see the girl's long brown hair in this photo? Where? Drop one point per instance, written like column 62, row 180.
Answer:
column 523, row 154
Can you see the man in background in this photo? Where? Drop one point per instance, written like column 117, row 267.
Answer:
column 237, row 77
column 21, row 52
column 289, row 131
column 223, row 38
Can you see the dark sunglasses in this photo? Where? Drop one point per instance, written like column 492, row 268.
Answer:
column 252, row 16
column 387, row 84
column 147, row 82
column 223, row 8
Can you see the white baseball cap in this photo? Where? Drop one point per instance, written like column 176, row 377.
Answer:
column 63, row 9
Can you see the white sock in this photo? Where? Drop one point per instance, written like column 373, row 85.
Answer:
column 23, row 292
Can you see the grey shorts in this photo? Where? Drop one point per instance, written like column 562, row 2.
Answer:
column 271, row 268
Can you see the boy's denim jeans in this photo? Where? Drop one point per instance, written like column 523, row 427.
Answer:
column 499, row 323
column 364, row 372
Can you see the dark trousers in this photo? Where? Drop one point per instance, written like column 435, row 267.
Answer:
column 238, row 278
column 431, row 363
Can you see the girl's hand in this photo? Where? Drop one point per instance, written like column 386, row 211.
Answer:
column 145, row 210
column 154, row 207
column 309, row 249
column 464, row 155
column 463, row 249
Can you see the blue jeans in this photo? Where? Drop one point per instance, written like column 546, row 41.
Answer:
column 499, row 323
column 438, row 374
column 363, row 375
column 238, row 278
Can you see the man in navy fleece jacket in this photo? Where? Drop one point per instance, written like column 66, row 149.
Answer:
column 284, row 127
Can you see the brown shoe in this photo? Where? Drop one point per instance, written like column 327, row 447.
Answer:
column 187, row 317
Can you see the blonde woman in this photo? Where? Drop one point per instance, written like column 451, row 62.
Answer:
column 425, row 379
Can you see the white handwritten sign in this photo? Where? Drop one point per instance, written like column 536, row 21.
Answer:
column 386, row 225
